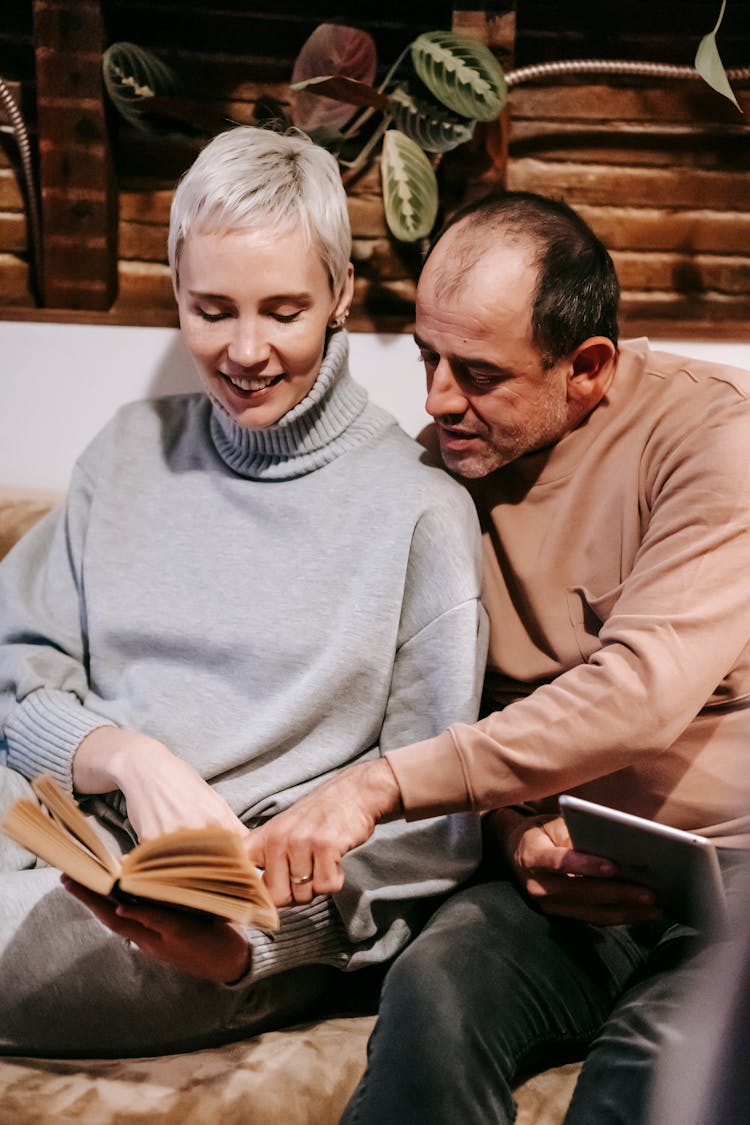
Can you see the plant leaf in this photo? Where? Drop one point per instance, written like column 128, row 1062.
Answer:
column 343, row 90
column 709, row 65
column 461, row 73
column 433, row 128
column 331, row 50
column 132, row 76
column 410, row 190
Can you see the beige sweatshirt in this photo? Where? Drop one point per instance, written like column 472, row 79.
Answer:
column 618, row 587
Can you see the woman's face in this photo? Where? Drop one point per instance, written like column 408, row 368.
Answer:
column 254, row 308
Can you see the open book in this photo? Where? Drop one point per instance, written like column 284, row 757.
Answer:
column 205, row 869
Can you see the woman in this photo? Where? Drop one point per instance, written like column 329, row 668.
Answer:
column 248, row 589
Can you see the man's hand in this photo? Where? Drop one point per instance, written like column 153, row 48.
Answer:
column 301, row 849
column 162, row 792
column 207, row 948
column 561, row 881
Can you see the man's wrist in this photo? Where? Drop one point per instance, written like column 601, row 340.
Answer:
column 500, row 831
column 382, row 791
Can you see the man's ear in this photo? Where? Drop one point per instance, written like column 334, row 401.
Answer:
column 592, row 366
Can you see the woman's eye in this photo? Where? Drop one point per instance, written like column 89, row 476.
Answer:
column 286, row 318
column 211, row 317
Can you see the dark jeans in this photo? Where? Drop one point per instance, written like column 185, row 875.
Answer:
column 492, row 991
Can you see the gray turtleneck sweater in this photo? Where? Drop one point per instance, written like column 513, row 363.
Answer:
column 270, row 604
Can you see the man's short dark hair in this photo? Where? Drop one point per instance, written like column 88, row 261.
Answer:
column 577, row 291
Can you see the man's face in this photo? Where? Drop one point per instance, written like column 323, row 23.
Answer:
column 490, row 396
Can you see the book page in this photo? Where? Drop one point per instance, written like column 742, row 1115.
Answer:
column 190, row 845
column 65, row 810
column 223, row 904
column 27, row 824
column 206, row 868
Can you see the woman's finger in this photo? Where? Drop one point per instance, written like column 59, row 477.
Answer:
column 301, row 874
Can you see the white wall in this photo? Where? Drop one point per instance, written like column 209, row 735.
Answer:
column 59, row 383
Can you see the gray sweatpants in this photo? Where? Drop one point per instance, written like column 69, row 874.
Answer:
column 70, row 987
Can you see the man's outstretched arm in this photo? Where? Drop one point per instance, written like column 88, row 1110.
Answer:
column 312, row 837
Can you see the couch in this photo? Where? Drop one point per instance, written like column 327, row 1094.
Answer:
column 300, row 1076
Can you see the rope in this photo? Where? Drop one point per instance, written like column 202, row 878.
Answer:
column 21, row 135
column 611, row 66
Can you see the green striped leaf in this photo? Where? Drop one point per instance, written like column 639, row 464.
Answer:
column 410, row 190
column 433, row 128
column 132, row 77
column 461, row 73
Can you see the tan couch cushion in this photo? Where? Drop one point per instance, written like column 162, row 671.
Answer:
column 19, row 510
column 303, row 1076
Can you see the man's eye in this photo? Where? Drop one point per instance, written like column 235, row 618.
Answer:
column 482, row 382
column 429, row 359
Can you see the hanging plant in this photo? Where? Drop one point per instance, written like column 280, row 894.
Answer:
column 433, row 128
column 453, row 82
column 410, row 192
column 330, row 52
column 461, row 73
column 133, row 78
column 708, row 62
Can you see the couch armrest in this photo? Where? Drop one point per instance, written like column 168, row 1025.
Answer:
column 19, row 510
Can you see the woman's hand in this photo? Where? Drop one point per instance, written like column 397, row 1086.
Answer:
column 207, row 948
column 162, row 792
column 561, row 881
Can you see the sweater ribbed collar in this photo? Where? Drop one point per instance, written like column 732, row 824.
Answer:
column 325, row 424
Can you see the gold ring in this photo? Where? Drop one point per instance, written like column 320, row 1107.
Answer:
column 298, row 880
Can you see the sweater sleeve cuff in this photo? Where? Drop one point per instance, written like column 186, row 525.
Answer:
column 431, row 777
column 309, row 935
column 45, row 731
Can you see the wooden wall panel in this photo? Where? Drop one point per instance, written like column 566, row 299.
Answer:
column 17, row 70
column 658, row 167
column 224, row 70
column 77, row 185
column 661, row 31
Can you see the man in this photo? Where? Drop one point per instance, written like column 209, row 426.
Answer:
column 614, row 492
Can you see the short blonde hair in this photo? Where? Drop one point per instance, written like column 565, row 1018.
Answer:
column 251, row 177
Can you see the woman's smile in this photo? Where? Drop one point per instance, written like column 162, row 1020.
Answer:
column 249, row 385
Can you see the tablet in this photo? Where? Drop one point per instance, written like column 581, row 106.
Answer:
column 682, row 867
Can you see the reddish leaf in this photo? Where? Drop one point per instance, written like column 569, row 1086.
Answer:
column 343, row 90
column 331, row 50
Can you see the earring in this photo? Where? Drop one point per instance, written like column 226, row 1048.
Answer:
column 340, row 321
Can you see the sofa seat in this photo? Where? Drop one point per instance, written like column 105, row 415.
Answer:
column 299, row 1076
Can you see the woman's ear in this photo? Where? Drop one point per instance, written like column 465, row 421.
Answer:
column 592, row 366
column 340, row 310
